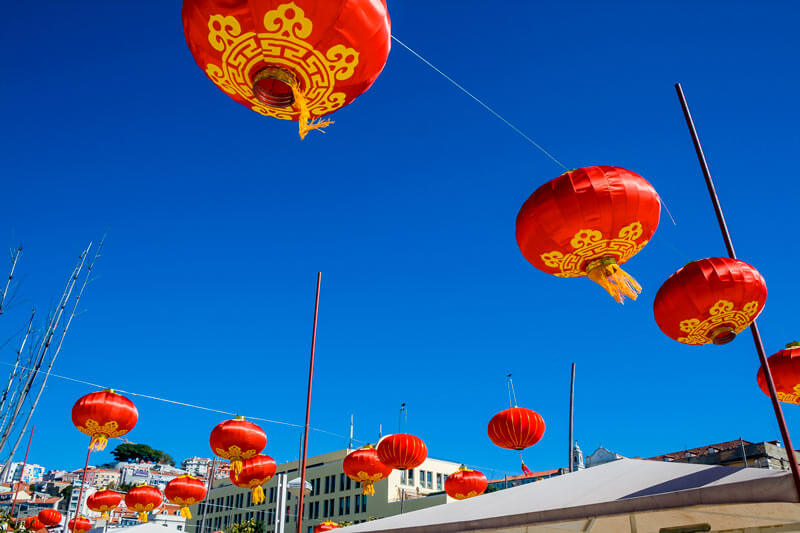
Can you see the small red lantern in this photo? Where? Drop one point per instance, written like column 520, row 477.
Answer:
column 326, row 526
column 32, row 523
column 292, row 60
column 785, row 368
column 402, row 451
column 185, row 490
column 465, row 483
column 363, row 466
column 516, row 428
column 710, row 301
column 104, row 501
column 587, row 222
column 104, row 415
column 237, row 440
column 50, row 517
column 256, row 471
column 79, row 525
column 143, row 499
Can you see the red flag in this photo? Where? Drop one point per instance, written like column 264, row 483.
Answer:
column 526, row 470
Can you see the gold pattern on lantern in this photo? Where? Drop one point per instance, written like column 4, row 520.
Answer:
column 722, row 313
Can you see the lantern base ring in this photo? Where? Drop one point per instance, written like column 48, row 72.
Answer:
column 274, row 86
column 723, row 335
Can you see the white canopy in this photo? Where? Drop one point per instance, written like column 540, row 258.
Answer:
column 624, row 495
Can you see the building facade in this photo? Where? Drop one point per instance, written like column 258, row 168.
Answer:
column 768, row 454
column 334, row 496
column 33, row 473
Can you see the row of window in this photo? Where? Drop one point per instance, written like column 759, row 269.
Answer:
column 425, row 479
column 310, row 512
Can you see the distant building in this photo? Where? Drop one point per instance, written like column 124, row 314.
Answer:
column 577, row 458
column 601, row 456
column 197, row 466
column 523, row 479
column 769, row 455
column 33, row 473
column 334, row 496
column 101, row 478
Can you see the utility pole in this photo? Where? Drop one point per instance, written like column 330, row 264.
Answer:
column 571, row 410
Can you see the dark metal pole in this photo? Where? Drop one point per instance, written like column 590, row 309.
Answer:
column 571, row 408
column 744, row 455
column 308, row 410
column 22, row 473
column 726, row 236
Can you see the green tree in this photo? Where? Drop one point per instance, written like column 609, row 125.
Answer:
column 66, row 492
column 248, row 526
column 345, row 523
column 129, row 453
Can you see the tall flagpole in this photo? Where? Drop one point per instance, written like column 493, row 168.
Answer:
column 308, row 410
column 726, row 237
column 571, row 410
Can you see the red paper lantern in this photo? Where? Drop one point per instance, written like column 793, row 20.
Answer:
column 79, row 525
column 185, row 490
column 32, row 523
column 465, row 483
column 104, row 415
column 143, row 499
column 50, row 517
column 710, row 301
column 587, row 222
column 516, row 428
column 363, row 466
column 785, row 368
column 256, row 471
column 104, row 501
column 402, row 451
column 326, row 526
column 292, row 60
column 237, row 440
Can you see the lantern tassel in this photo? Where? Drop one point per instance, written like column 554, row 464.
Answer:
column 236, row 467
column 186, row 513
column 304, row 121
column 104, row 516
column 619, row 284
column 367, row 488
column 258, row 495
column 143, row 516
column 98, row 443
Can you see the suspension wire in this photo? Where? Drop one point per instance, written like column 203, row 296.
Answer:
column 481, row 102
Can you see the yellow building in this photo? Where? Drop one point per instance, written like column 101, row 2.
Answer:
column 334, row 496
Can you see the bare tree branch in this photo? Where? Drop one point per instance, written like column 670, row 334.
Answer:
column 16, row 363
column 10, row 277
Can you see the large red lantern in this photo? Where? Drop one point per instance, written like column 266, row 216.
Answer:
column 402, row 451
column 237, row 440
column 80, row 524
column 292, row 60
column 32, row 523
column 785, row 368
column 710, row 301
column 143, row 499
column 50, row 517
column 363, row 466
column 587, row 222
column 516, row 428
column 104, row 415
column 104, row 501
column 255, row 472
column 465, row 483
column 185, row 490
column 326, row 526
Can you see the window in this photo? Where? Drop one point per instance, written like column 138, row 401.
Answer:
column 316, row 510
column 422, row 478
column 439, row 481
column 347, row 505
column 364, row 504
column 272, row 495
column 411, row 477
column 358, row 503
column 403, row 476
column 430, row 479
column 341, row 481
column 327, row 485
column 348, row 483
column 341, row 506
column 249, row 498
column 712, row 450
column 325, row 510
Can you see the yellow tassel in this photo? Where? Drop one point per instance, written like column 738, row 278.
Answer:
column 143, row 517
column 304, row 120
column 104, row 516
column 619, row 284
column 186, row 513
column 368, row 488
column 98, row 443
column 258, row 495
column 236, row 467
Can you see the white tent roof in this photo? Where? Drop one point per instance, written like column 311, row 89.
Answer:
column 623, row 487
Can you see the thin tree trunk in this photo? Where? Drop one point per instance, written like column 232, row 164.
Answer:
column 10, row 277
column 46, row 340
column 17, row 387
column 53, row 358
column 16, row 363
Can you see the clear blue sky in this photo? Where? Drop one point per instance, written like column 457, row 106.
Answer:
column 219, row 220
